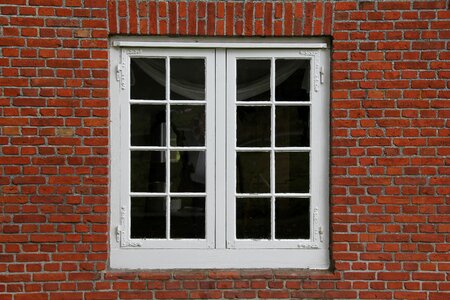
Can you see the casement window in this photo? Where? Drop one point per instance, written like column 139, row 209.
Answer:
column 219, row 154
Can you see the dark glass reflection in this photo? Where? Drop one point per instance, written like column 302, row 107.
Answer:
column 253, row 218
column 148, row 217
column 148, row 171
column 253, row 126
column 187, row 218
column 147, row 125
column 253, row 80
column 188, row 124
column 291, row 218
column 292, row 80
column 187, row 171
column 187, row 79
column 292, row 172
column 253, row 172
column 292, row 126
column 148, row 78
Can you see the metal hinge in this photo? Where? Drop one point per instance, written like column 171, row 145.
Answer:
column 321, row 75
column 321, row 234
column 120, row 75
column 119, row 69
column 118, row 233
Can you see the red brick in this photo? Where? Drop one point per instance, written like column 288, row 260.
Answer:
column 66, row 295
column 273, row 294
column 205, row 295
column 171, row 295
column 37, row 296
column 375, row 295
column 135, row 295
column 388, row 143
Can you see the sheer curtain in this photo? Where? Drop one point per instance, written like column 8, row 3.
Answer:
column 195, row 91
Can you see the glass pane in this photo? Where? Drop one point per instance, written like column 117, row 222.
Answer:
column 253, row 218
column 148, row 171
column 253, row 126
column 292, row 172
column 188, row 125
column 148, row 78
column 187, row 218
column 148, row 125
column 253, row 80
column 187, row 79
column 148, row 217
column 187, row 171
column 292, row 126
column 253, row 172
column 291, row 218
column 292, row 80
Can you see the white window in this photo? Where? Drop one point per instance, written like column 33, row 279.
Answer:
column 219, row 154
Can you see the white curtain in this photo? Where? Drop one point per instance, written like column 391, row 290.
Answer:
column 181, row 87
column 195, row 91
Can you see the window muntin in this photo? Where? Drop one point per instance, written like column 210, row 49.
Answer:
column 284, row 232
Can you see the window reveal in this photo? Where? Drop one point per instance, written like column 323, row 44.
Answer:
column 171, row 152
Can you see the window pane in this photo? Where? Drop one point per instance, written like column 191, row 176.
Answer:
column 253, row 80
column 148, row 171
column 148, row 78
column 253, row 126
column 148, row 217
column 292, row 126
column 253, row 172
column 187, row 218
column 187, row 79
column 253, row 218
column 188, row 125
column 187, row 171
column 292, row 172
column 292, row 80
column 147, row 127
column 291, row 218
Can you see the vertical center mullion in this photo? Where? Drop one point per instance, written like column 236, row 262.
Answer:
column 272, row 151
column 167, row 148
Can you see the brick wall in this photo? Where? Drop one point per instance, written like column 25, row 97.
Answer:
column 390, row 111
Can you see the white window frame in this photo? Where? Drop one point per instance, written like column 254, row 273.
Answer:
column 220, row 249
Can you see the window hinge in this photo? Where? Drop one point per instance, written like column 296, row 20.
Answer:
column 120, row 75
column 230, row 245
column 118, row 233
column 321, row 75
column 118, row 72
column 321, row 234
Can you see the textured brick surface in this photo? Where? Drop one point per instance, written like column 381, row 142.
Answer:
column 390, row 111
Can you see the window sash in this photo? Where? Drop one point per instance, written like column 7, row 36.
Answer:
column 209, row 148
column 315, row 106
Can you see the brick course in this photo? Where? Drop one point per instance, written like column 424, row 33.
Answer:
column 390, row 143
